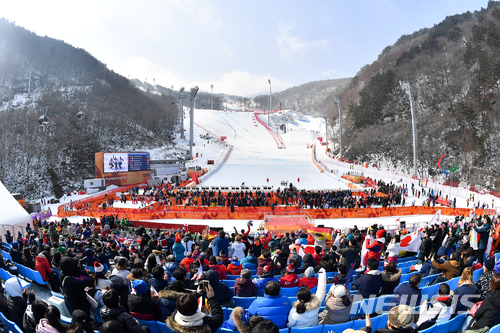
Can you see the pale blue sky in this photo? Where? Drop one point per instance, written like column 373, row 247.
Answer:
column 234, row 45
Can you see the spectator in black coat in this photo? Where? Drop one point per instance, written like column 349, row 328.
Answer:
column 16, row 256
column 465, row 287
column 74, row 282
column 308, row 261
column 113, row 311
column 390, row 278
column 349, row 253
column 17, row 300
column 425, row 247
column 119, row 284
column 488, row 314
column 370, row 282
column 408, row 293
column 157, row 281
column 141, row 305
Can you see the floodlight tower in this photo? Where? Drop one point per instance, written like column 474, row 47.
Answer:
column 212, row 103
column 406, row 86
column 340, row 124
column 194, row 91
column 181, row 112
column 270, row 102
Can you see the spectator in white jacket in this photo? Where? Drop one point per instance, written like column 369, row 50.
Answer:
column 393, row 249
column 237, row 248
column 304, row 312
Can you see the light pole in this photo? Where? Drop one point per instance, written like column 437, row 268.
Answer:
column 172, row 89
column 212, row 103
column 270, row 102
column 194, row 91
column 326, row 132
column 406, row 86
column 181, row 112
column 340, row 124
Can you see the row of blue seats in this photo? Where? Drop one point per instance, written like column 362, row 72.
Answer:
column 10, row 325
column 5, row 275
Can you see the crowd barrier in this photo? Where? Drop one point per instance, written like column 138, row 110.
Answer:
column 259, row 213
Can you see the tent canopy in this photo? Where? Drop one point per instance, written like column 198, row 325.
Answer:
column 12, row 214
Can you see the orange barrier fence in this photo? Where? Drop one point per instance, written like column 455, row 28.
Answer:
column 248, row 213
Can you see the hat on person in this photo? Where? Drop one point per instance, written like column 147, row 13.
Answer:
column 268, row 268
column 339, row 291
column 297, row 241
column 291, row 268
column 442, row 251
column 98, row 268
column 490, row 263
column 380, row 233
column 79, row 316
column 133, row 248
column 140, row 287
column 116, row 280
column 401, row 316
column 189, row 254
column 203, row 255
column 177, row 239
column 14, row 245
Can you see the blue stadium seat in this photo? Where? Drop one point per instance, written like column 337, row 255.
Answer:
column 232, row 277
column 260, row 292
column 6, row 255
column 284, row 330
column 314, row 329
column 153, row 326
column 66, row 320
column 337, row 328
column 58, row 295
column 289, row 292
column 453, row 283
column 495, row 329
column 458, row 321
column 367, row 305
column 429, row 291
column 314, row 290
column 10, row 325
column 477, row 274
column 163, row 327
column 253, row 271
column 224, row 313
column 97, row 315
column 244, row 302
column 230, row 283
column 382, row 303
column 355, row 308
column 379, row 321
column 23, row 283
column 444, row 326
column 429, row 330
column 357, row 324
column 36, row 277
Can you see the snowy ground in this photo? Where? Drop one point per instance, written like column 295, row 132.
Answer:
column 255, row 157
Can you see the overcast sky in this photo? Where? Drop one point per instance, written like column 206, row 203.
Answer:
column 234, row 45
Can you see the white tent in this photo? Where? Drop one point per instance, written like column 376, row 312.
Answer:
column 12, row 215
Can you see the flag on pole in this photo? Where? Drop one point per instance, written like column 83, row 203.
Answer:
column 411, row 242
column 436, row 218
column 488, row 248
column 325, row 232
column 444, row 240
column 474, row 238
column 337, row 240
column 368, row 240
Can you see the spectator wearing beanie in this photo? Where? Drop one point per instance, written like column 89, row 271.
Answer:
column 290, row 279
column 483, row 283
column 186, row 262
column 170, row 267
column 338, row 305
column 178, row 250
column 308, row 279
column 234, row 268
column 102, row 281
column 140, row 303
column 308, row 261
column 268, row 275
column 243, row 286
column 119, row 284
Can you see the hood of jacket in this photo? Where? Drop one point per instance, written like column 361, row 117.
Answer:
column 244, row 282
column 112, row 313
column 238, row 320
column 251, row 258
column 170, row 294
column 455, row 263
column 308, row 259
column 375, row 272
column 391, row 277
column 13, row 287
column 494, row 297
column 311, row 305
column 175, row 327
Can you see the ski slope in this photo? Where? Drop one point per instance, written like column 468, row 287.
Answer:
column 256, row 159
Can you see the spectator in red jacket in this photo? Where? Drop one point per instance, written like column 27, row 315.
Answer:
column 219, row 268
column 42, row 265
column 244, row 286
column 234, row 268
column 308, row 279
column 290, row 279
column 318, row 254
column 186, row 262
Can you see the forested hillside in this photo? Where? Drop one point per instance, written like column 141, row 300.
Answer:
column 454, row 72
column 65, row 80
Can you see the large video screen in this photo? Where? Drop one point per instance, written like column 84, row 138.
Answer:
column 124, row 162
